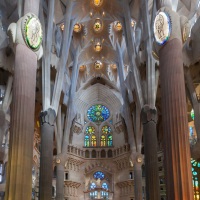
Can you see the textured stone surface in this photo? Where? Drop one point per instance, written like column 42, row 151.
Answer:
column 19, row 174
column 177, row 151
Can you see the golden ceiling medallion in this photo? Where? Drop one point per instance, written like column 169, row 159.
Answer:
column 118, row 26
column 113, row 66
column 97, row 3
column 98, row 64
column 97, row 47
column 98, row 25
column 62, row 27
column 82, row 68
column 77, row 28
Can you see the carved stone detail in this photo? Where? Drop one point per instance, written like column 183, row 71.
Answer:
column 48, row 117
column 149, row 114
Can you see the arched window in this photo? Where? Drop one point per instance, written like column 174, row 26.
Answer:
column 105, row 186
column 87, row 140
column 93, row 154
column 92, row 186
column 110, row 141
column 103, row 141
column 103, row 153
column 109, row 153
column 93, row 141
column 104, row 194
column 87, row 154
column 99, row 175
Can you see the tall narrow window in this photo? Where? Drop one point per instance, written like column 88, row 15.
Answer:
column 94, row 141
column 103, row 141
column 110, row 140
column 87, row 140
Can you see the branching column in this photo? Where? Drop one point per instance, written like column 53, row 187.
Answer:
column 149, row 120
column 47, row 119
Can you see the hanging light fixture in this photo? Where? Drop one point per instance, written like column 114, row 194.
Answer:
column 77, row 28
column 98, row 25
column 98, row 64
column 117, row 25
column 97, row 3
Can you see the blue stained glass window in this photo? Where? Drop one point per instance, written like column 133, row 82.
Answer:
column 99, row 175
column 105, row 186
column 98, row 113
column 87, row 141
column 92, row 186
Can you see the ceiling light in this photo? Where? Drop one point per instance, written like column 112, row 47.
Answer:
column 77, row 28
column 98, row 64
column 118, row 26
column 98, row 25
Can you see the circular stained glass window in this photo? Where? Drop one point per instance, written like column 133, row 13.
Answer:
column 99, row 175
column 98, row 113
column 106, row 129
column 90, row 130
column 105, row 186
column 92, row 186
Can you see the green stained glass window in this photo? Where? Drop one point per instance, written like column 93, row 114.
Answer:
column 192, row 114
column 103, row 141
column 98, row 113
column 87, row 140
column 110, row 140
column 106, row 129
column 90, row 130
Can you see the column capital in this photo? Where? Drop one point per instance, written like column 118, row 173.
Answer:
column 169, row 25
column 136, row 158
column 48, row 116
column 27, row 31
column 148, row 114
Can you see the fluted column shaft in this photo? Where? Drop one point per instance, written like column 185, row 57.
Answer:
column 175, row 125
column 149, row 120
column 138, row 180
column 19, row 176
column 60, row 184
column 47, row 119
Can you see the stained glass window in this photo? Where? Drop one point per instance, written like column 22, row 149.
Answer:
column 87, row 140
column 90, row 130
column 92, row 186
column 98, row 175
column 93, row 141
column 110, row 142
column 105, row 186
column 192, row 114
column 103, row 141
column 98, row 113
column 106, row 129
column 195, row 178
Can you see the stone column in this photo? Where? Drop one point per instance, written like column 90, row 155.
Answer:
column 47, row 119
column 138, row 179
column 19, row 177
column 149, row 120
column 19, row 173
column 175, row 125
column 60, row 180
